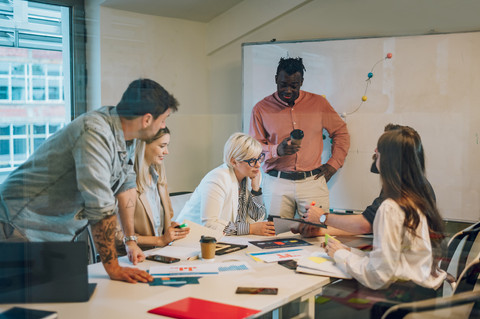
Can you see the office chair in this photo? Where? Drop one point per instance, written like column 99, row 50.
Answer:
column 463, row 249
column 464, row 303
column 456, row 306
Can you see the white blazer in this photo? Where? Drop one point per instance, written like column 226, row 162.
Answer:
column 214, row 203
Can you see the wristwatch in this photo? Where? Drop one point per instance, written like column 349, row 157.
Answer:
column 129, row 238
column 323, row 219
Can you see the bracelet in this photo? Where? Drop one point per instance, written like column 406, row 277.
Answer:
column 256, row 193
column 129, row 238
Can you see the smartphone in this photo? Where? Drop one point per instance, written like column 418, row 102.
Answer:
column 290, row 264
column 163, row 259
column 257, row 291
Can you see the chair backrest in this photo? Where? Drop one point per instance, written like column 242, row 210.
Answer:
column 464, row 303
column 456, row 306
column 178, row 201
column 468, row 280
column 463, row 249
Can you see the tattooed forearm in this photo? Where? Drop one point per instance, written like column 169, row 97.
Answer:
column 104, row 236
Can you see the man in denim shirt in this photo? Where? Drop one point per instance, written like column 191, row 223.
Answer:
column 82, row 174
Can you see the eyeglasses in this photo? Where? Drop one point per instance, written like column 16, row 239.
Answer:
column 253, row 161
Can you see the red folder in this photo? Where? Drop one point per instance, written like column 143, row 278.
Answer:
column 193, row 308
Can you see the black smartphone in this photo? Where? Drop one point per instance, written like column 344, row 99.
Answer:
column 257, row 291
column 290, row 264
column 163, row 259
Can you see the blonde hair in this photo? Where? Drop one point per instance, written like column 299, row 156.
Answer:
column 240, row 146
column 141, row 167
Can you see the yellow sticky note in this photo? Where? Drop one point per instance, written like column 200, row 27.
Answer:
column 318, row 260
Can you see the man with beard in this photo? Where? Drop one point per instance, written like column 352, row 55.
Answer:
column 83, row 174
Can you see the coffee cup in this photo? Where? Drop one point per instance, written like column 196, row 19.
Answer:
column 207, row 245
column 296, row 137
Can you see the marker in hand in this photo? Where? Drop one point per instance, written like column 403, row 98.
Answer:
column 327, row 237
column 308, row 207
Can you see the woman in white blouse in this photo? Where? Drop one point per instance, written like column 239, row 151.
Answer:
column 229, row 198
column 408, row 229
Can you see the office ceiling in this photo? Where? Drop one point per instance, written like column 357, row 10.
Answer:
column 195, row 10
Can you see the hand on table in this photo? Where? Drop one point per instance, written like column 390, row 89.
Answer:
column 134, row 253
column 262, row 229
column 131, row 275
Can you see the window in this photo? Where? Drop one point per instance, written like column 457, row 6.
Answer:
column 41, row 55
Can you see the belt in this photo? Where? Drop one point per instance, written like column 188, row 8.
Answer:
column 294, row 176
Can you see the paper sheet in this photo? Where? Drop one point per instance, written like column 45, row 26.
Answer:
column 203, row 269
column 184, row 270
column 319, row 263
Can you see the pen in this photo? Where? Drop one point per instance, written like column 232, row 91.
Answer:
column 181, row 226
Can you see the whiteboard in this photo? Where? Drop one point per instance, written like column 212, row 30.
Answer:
column 431, row 83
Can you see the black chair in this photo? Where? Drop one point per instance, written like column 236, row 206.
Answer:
column 464, row 303
column 463, row 249
column 461, row 263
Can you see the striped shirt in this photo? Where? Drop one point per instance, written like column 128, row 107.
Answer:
column 251, row 207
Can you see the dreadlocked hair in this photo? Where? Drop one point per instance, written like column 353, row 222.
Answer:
column 291, row 65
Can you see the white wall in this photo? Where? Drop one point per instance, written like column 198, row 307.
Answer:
column 171, row 52
column 207, row 79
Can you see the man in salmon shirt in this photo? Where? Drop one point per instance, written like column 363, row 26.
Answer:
column 296, row 177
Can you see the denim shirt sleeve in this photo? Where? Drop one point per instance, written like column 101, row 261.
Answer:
column 93, row 154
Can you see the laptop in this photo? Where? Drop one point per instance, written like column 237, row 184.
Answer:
column 44, row 272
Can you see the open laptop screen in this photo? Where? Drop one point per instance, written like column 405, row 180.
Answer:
column 43, row 272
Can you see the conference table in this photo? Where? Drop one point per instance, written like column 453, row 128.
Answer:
column 115, row 299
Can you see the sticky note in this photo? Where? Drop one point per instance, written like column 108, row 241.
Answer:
column 327, row 237
column 317, row 260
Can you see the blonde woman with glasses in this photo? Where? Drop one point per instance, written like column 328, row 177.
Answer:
column 153, row 210
column 229, row 197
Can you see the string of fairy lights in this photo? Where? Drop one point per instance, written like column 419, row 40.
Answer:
column 368, row 82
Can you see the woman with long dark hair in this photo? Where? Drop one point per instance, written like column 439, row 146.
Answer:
column 408, row 229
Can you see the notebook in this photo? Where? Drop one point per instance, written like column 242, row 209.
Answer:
column 202, row 309
column 44, row 272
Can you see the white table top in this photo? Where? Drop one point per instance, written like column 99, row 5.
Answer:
column 114, row 299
